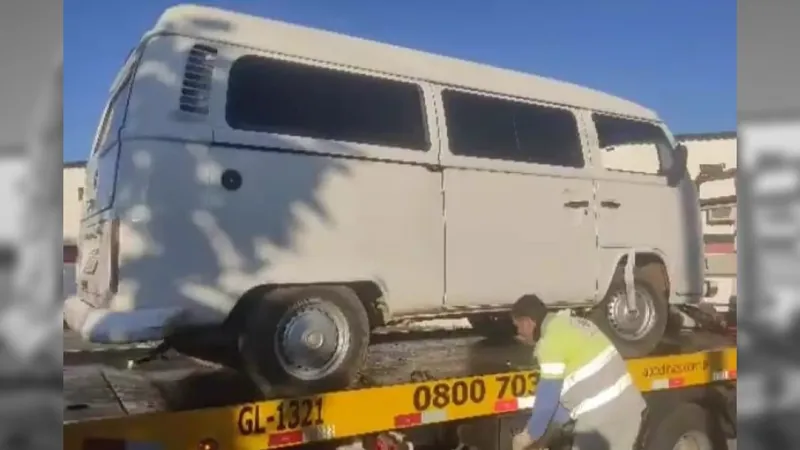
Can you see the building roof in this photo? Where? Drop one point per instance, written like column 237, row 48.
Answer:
column 74, row 164
column 706, row 136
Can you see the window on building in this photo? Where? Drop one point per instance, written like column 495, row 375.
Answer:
column 70, row 254
column 632, row 146
column 494, row 128
column 282, row 97
column 80, row 194
column 721, row 215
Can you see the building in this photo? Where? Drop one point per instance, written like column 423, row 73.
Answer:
column 74, row 178
column 712, row 164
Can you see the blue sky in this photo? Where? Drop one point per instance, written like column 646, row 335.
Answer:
column 677, row 57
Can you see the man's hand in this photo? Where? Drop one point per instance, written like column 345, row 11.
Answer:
column 523, row 441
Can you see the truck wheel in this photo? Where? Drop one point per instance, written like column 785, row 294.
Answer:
column 635, row 334
column 687, row 427
column 311, row 337
column 493, row 327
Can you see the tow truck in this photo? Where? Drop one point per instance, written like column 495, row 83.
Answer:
column 452, row 391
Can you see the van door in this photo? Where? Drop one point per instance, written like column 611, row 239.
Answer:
column 639, row 208
column 518, row 203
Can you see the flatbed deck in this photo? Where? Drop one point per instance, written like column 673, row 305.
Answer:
column 416, row 382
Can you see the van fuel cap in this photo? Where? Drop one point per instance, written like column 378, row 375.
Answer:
column 231, row 179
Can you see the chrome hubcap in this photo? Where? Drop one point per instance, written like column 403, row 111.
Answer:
column 312, row 341
column 632, row 324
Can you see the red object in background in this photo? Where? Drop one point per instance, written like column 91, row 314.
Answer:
column 716, row 248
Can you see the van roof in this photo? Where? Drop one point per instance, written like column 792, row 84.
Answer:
column 271, row 35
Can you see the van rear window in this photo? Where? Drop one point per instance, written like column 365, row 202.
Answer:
column 282, row 97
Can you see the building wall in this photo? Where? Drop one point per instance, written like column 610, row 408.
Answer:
column 712, row 151
column 715, row 195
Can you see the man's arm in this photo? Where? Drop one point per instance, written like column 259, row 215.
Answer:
column 548, row 397
column 562, row 416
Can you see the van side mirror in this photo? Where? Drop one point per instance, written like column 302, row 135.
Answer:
column 681, row 156
column 678, row 170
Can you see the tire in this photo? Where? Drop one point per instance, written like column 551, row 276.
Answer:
column 493, row 327
column 653, row 306
column 688, row 426
column 336, row 315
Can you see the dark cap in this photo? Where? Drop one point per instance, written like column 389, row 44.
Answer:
column 531, row 307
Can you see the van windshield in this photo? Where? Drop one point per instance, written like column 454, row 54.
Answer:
column 634, row 145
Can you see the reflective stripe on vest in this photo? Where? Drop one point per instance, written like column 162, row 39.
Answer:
column 603, row 397
column 553, row 369
column 587, row 370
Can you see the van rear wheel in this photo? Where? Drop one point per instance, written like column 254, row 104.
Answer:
column 311, row 337
column 635, row 333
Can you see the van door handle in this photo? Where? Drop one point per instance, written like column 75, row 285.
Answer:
column 577, row 204
column 433, row 167
column 611, row 204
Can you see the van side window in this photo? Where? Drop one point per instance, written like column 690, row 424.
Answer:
column 632, row 146
column 282, row 97
column 493, row 128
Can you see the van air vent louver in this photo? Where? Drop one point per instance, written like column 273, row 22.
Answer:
column 196, row 88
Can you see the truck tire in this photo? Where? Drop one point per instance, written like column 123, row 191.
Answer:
column 689, row 426
column 313, row 337
column 635, row 335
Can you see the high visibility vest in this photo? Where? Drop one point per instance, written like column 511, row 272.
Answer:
column 594, row 373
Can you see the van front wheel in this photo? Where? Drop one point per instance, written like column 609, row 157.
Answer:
column 635, row 333
column 311, row 337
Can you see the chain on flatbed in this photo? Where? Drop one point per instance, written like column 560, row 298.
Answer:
column 344, row 414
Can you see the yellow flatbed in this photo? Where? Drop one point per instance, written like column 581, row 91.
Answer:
column 178, row 405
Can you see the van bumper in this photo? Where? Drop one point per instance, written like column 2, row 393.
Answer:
column 105, row 326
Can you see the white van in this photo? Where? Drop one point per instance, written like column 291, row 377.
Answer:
column 295, row 189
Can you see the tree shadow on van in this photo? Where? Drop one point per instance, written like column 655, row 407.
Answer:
column 215, row 212
column 188, row 237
